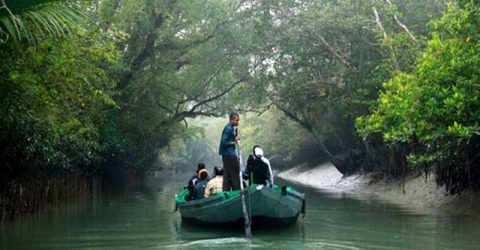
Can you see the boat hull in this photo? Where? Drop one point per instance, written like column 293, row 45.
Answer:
column 278, row 206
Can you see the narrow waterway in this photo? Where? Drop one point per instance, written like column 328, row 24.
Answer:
column 144, row 220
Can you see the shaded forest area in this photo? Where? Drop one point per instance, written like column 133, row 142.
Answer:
column 100, row 88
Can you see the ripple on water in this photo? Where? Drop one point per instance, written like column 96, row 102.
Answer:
column 221, row 243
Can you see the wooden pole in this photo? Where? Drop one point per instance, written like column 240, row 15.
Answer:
column 248, row 230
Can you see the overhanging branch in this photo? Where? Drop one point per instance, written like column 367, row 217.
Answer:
column 380, row 26
column 403, row 26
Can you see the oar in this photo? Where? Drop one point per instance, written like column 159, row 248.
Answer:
column 248, row 230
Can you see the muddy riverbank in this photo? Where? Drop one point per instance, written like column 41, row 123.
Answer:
column 415, row 191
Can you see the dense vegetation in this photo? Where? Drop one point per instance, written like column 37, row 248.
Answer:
column 102, row 87
column 432, row 112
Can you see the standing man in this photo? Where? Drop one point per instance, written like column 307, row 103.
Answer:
column 231, row 166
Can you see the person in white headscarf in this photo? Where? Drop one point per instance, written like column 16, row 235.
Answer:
column 258, row 169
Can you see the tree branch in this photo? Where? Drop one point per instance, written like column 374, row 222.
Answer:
column 204, row 85
column 305, row 124
column 221, row 94
column 403, row 26
column 224, row 92
column 335, row 53
column 380, row 26
column 193, row 114
column 137, row 61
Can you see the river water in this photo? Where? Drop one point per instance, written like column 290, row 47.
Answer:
column 334, row 220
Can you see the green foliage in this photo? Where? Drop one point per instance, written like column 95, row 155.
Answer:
column 325, row 62
column 79, row 106
column 183, row 59
column 31, row 19
column 436, row 107
column 19, row 6
column 53, row 100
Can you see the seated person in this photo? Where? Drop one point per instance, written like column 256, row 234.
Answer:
column 193, row 180
column 258, row 168
column 216, row 184
column 199, row 189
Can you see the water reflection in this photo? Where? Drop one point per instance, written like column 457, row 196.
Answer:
column 334, row 220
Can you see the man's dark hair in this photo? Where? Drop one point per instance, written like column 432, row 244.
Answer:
column 203, row 175
column 201, row 166
column 218, row 170
column 234, row 115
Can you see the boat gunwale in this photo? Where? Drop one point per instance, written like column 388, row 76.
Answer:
column 236, row 194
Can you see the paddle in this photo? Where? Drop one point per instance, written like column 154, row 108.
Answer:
column 248, row 230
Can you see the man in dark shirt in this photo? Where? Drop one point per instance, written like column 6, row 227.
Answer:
column 231, row 166
column 199, row 189
column 193, row 180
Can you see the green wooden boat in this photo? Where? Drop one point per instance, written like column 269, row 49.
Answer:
column 280, row 205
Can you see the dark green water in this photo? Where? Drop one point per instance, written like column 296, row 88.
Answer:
column 144, row 220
